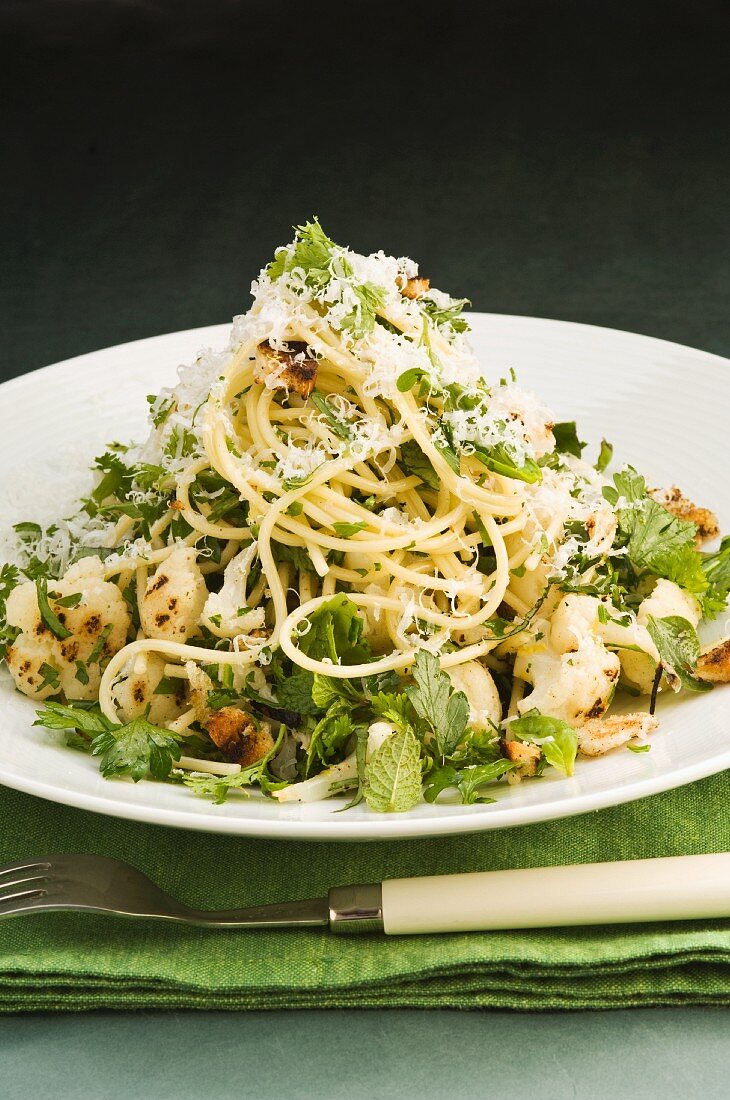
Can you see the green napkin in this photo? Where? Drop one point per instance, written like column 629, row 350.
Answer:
column 68, row 962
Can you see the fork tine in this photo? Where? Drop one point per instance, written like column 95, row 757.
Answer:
column 10, row 884
column 18, row 868
column 23, row 895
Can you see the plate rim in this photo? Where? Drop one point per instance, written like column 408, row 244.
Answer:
column 391, row 827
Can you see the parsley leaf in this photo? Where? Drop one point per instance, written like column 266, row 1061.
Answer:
column 448, row 314
column 657, row 542
column 345, row 530
column 468, row 781
column 717, row 571
column 393, row 774
column 136, row 749
column 295, row 693
column 218, row 787
column 339, row 427
column 500, row 461
column 557, row 739
column 48, row 616
column 678, row 645
column 70, row 716
column 445, row 711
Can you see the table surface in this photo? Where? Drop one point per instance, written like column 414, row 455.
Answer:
column 550, row 163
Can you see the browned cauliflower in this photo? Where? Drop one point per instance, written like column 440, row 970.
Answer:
column 173, row 600
column 98, row 626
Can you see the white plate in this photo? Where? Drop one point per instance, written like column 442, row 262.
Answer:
column 665, row 407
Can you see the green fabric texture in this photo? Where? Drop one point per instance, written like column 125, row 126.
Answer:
column 70, row 962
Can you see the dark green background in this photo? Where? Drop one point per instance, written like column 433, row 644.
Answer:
column 561, row 159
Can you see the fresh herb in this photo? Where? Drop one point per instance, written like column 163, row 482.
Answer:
column 415, row 462
column 557, row 739
column 566, row 438
column 393, row 774
column 469, row 781
column 218, row 787
column 136, row 749
column 82, row 674
column 49, row 676
column 445, row 711
column 339, row 427
column 604, row 456
column 49, row 616
column 658, row 543
column 408, row 379
column 679, row 648
column 500, row 461
column 346, row 530
column 95, row 656
column 335, row 633
column 638, row 748
column 447, row 315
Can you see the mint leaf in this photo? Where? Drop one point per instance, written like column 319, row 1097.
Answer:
column 604, row 456
column 393, row 774
column 444, row 710
column 566, row 438
column 557, row 739
column 415, row 462
column 408, row 379
column 326, row 691
column 335, row 632
column 679, row 648
column 136, row 749
column 295, row 693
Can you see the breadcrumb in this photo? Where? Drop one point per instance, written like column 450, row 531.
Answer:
column 600, row 735
column 679, row 505
column 290, row 369
column 416, row 288
column 714, row 664
column 236, row 735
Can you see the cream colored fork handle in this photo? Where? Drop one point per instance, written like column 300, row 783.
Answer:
column 675, row 888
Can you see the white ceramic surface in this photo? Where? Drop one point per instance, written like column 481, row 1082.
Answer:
column 665, row 407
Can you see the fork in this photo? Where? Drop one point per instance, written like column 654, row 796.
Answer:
column 672, row 888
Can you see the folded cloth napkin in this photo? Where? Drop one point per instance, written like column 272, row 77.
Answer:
column 71, row 962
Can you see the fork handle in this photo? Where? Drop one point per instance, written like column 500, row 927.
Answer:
column 673, row 888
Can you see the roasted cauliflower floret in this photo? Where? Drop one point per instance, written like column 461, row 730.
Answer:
column 714, row 663
column 223, row 613
column 174, row 598
column 98, row 626
column 237, row 736
column 290, row 368
column 574, row 686
column 666, row 599
column 600, row 735
column 675, row 502
column 485, row 706
column 135, row 694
